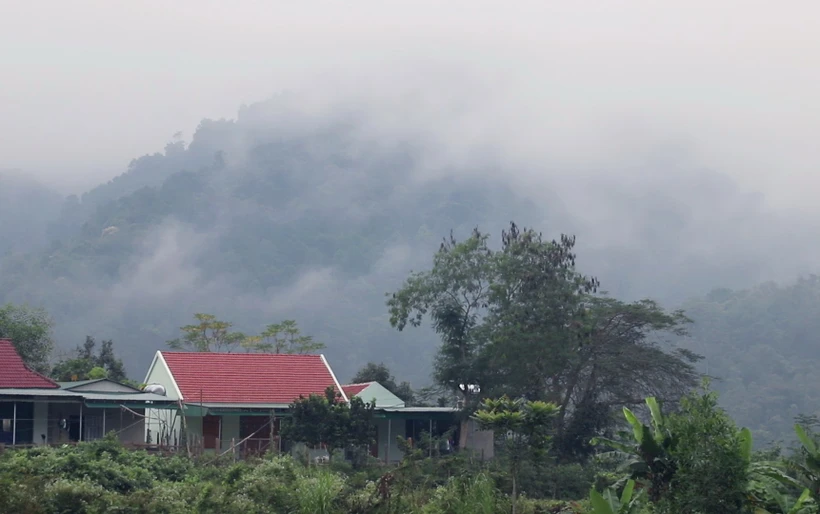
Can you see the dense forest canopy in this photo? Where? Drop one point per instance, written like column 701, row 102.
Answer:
column 278, row 215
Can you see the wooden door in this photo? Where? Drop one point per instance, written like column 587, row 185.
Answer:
column 255, row 432
column 210, row 431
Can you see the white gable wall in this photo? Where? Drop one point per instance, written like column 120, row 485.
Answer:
column 161, row 421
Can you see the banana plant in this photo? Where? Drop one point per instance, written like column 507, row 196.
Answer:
column 808, row 467
column 786, row 506
column 609, row 503
column 764, row 478
column 649, row 451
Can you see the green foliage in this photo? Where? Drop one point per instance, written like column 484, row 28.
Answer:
column 30, row 331
column 630, row 501
column 648, row 450
column 465, row 495
column 318, row 493
column 208, row 335
column 283, row 337
column 522, row 321
column 694, row 460
column 213, row 335
column 710, row 466
column 760, row 343
column 325, row 420
column 523, row 427
column 85, row 365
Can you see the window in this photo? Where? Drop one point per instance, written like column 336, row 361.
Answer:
column 7, row 425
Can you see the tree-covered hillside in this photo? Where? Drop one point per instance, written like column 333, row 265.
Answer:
column 255, row 226
column 763, row 344
column 280, row 215
column 26, row 209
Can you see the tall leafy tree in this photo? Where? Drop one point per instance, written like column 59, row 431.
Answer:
column 30, row 331
column 455, row 294
column 284, row 337
column 208, row 335
column 86, row 364
column 521, row 321
column 619, row 360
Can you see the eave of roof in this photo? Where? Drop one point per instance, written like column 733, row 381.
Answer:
column 68, row 394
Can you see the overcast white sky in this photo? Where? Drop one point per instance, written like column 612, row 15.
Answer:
column 87, row 85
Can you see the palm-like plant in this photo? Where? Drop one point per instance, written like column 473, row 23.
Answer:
column 522, row 427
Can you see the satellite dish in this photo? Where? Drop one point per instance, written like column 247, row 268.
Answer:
column 156, row 389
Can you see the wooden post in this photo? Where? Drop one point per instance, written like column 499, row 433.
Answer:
column 103, row 422
column 14, row 426
column 431, row 437
column 81, row 422
column 272, row 420
column 389, row 435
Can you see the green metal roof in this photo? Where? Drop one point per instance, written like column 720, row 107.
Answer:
column 417, row 413
column 69, row 385
column 13, row 391
column 140, row 400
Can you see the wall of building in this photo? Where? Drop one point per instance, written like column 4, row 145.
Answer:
column 229, row 432
column 387, row 433
column 129, row 426
column 40, row 422
column 482, row 442
column 160, row 421
column 17, row 418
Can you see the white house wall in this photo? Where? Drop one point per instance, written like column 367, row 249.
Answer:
column 160, row 420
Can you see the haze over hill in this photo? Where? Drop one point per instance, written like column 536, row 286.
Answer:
column 681, row 166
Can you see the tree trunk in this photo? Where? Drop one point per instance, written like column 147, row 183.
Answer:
column 514, row 494
column 462, row 436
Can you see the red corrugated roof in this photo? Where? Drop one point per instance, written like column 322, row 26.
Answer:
column 247, row 377
column 355, row 389
column 15, row 374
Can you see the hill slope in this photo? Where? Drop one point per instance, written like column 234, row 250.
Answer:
column 274, row 216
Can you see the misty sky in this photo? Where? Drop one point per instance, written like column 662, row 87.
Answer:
column 552, row 86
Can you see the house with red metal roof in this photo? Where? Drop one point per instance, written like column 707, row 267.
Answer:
column 36, row 410
column 232, row 400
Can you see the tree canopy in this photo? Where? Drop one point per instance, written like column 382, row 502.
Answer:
column 85, row 364
column 30, row 331
column 521, row 321
column 213, row 335
column 326, row 420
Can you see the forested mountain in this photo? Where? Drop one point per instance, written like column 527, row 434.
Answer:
column 763, row 344
column 277, row 215
column 26, row 209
